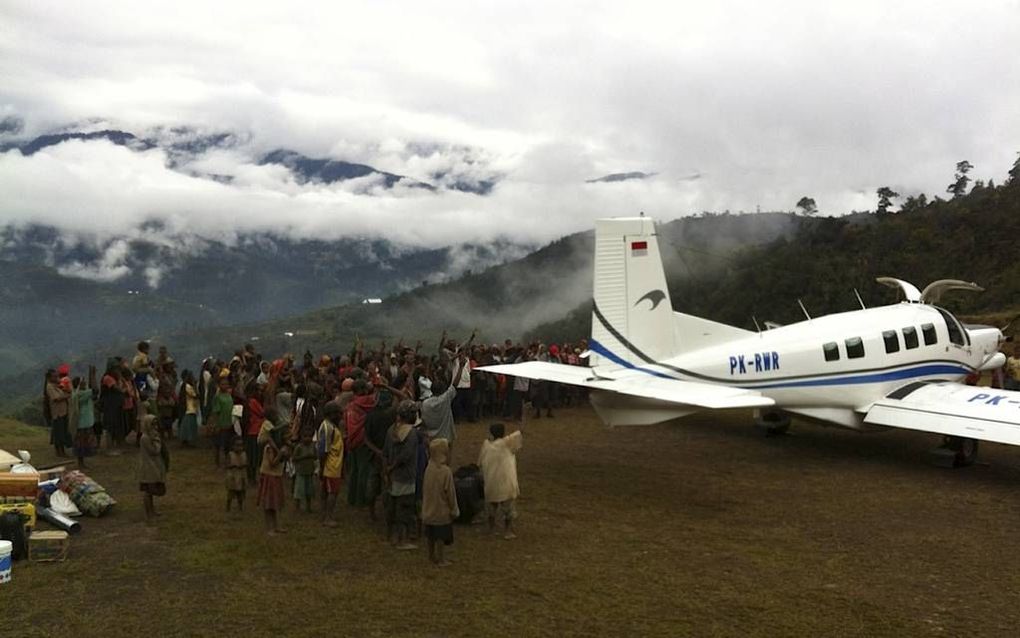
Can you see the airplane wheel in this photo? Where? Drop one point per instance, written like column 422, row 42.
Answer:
column 966, row 450
column 773, row 422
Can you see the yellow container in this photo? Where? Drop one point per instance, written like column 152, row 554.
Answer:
column 25, row 509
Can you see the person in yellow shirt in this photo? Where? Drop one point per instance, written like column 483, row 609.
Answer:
column 330, row 447
column 188, row 429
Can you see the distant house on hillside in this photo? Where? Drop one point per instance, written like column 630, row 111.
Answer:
column 371, row 300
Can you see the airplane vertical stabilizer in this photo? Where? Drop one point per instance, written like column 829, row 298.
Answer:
column 632, row 320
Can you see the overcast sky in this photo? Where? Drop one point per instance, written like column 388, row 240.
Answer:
column 733, row 105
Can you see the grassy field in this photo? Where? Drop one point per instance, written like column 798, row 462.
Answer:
column 701, row 528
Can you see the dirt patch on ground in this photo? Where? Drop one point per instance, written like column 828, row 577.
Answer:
column 700, row 527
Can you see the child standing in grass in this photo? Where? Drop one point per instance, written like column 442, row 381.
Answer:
column 439, row 502
column 304, row 471
column 237, row 464
column 152, row 465
column 270, row 496
column 221, row 418
column 498, row 461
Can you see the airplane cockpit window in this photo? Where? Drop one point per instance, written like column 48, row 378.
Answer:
column 854, row 348
column 910, row 337
column 957, row 334
column 831, row 350
column 892, row 341
column 930, row 336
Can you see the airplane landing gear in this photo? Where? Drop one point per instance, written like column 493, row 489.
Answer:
column 955, row 451
column 773, row 422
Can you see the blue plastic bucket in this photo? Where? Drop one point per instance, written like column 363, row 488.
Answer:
column 6, row 547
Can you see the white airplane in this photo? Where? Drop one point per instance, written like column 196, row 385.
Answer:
column 897, row 366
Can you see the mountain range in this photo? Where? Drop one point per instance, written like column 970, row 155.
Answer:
column 184, row 145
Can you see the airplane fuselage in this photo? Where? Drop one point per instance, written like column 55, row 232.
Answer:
column 832, row 368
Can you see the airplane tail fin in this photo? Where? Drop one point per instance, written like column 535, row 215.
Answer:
column 632, row 318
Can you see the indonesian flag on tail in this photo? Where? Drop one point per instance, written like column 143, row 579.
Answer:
column 638, row 248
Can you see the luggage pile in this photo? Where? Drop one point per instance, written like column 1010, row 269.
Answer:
column 28, row 496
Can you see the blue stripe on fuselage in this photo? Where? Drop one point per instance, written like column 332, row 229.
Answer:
column 880, row 377
column 598, row 348
column 918, row 370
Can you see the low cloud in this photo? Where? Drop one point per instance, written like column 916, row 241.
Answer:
column 111, row 266
column 734, row 105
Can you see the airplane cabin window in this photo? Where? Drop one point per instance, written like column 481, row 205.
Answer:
column 892, row 341
column 831, row 350
column 854, row 348
column 910, row 337
column 956, row 333
column 930, row 337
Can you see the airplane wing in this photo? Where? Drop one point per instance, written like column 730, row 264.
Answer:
column 702, row 395
column 952, row 409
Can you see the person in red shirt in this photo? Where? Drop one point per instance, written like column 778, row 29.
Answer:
column 254, row 414
column 359, row 455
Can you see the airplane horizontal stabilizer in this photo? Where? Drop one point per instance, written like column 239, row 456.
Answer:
column 693, row 393
column 951, row 409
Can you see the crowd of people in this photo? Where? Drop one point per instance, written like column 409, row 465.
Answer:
column 378, row 424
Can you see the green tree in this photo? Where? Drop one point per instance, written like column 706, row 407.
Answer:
column 807, row 205
column 885, row 197
column 912, row 203
column 1014, row 173
column 959, row 187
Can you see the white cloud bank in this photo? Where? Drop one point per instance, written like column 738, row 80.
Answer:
column 768, row 101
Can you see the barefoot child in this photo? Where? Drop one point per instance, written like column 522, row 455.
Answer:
column 270, row 496
column 152, row 466
column 304, row 471
column 237, row 464
column 498, row 461
column 439, row 502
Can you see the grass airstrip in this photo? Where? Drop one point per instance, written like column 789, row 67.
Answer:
column 701, row 527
